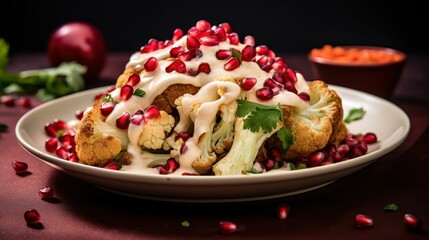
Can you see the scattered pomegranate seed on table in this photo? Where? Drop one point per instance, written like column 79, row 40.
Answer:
column 227, row 227
column 283, row 211
column 24, row 102
column 413, row 223
column 20, row 167
column 32, row 216
column 46, row 192
column 362, row 221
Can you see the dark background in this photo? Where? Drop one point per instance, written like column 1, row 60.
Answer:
column 295, row 27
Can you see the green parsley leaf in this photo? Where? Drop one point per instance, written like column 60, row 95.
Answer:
column 259, row 116
column 286, row 137
column 185, row 224
column 391, row 207
column 3, row 127
column 139, row 92
column 355, row 114
column 265, row 119
column 236, row 53
column 107, row 98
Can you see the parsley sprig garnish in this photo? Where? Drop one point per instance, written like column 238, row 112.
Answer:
column 355, row 114
column 259, row 116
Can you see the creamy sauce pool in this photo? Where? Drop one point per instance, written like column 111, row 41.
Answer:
column 156, row 82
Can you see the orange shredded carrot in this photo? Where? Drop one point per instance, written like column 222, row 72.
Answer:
column 355, row 55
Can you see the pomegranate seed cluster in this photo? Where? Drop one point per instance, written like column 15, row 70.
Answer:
column 204, row 34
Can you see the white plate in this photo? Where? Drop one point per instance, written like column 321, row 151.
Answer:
column 387, row 120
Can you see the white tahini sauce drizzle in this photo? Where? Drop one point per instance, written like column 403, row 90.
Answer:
column 156, row 82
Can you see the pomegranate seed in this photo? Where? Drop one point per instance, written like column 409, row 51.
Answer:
column 249, row 40
column 271, row 53
column 177, row 65
column 46, row 192
column 112, row 165
column 73, row 157
column 209, row 41
column 370, row 138
column 24, row 102
column 220, row 33
column 290, row 75
column 204, row 67
column 106, row 108
column 51, row 145
column 137, row 117
column 248, row 83
column 192, row 43
column 153, row 44
column 231, row 64
column 261, row 50
column 351, row 142
column 315, row 159
column 79, row 114
column 172, row 165
column 162, row 170
column 177, row 34
column 362, row 220
column 226, row 27
column 123, row 121
column 62, row 153
column 270, row 83
column 269, row 164
column 304, row 96
column 50, row 130
column 234, row 38
column 203, row 25
column 279, row 66
column 363, row 147
column 248, row 53
column 185, row 56
column 168, row 43
column 193, row 32
column 227, row 227
column 151, row 64
column 412, row 223
column 265, row 63
column 183, row 148
column 174, row 52
column 222, row 54
column 8, row 101
column 161, row 45
column 278, row 77
column 189, row 174
column 126, row 92
column 32, row 216
column 283, row 211
column 133, row 79
column 264, row 94
column 183, row 135
column 276, row 154
column 20, row 167
column 151, row 112
column 343, row 149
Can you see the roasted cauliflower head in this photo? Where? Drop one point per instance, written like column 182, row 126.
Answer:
column 319, row 123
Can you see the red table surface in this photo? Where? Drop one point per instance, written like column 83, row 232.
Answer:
column 83, row 211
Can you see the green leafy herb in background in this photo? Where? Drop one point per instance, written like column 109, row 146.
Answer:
column 391, row 207
column 46, row 83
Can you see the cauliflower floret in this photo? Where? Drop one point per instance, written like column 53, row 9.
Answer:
column 223, row 134
column 245, row 148
column 96, row 141
column 155, row 130
column 207, row 158
column 318, row 124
